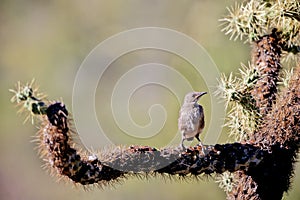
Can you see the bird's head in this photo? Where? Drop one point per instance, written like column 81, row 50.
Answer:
column 193, row 97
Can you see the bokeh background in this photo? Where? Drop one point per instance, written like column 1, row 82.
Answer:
column 48, row 40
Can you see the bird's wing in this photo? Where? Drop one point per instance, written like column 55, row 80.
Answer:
column 201, row 119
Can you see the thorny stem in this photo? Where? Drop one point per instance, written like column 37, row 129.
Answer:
column 58, row 150
column 279, row 127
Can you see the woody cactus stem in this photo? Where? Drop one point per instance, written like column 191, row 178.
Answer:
column 138, row 159
column 282, row 124
column 266, row 61
column 261, row 173
column 280, row 132
column 279, row 129
column 67, row 161
column 64, row 158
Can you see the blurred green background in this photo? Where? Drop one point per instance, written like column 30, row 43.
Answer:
column 48, row 40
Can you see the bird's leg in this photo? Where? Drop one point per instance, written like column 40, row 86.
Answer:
column 182, row 140
column 200, row 143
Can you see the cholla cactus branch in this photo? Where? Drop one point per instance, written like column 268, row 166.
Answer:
column 255, row 18
column 279, row 133
column 57, row 149
column 243, row 116
column 266, row 60
column 282, row 124
column 276, row 127
column 27, row 98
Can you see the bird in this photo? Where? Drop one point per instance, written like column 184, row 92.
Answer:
column 191, row 118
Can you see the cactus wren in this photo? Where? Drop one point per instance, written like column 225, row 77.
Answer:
column 191, row 117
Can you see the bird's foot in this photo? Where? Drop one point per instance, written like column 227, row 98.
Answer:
column 202, row 147
column 182, row 147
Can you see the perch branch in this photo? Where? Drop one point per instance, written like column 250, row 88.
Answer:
column 57, row 148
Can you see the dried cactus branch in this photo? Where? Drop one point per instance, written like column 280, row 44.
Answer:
column 278, row 130
column 279, row 133
column 57, row 148
column 266, row 61
column 139, row 159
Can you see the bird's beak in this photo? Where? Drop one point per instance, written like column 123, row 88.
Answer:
column 200, row 94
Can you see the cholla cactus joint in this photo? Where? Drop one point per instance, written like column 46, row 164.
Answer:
column 255, row 18
column 27, row 97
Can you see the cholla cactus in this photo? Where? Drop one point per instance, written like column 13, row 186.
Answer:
column 273, row 29
column 27, row 97
column 285, row 77
column 243, row 116
column 66, row 159
column 252, row 20
column 226, row 181
column 255, row 18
